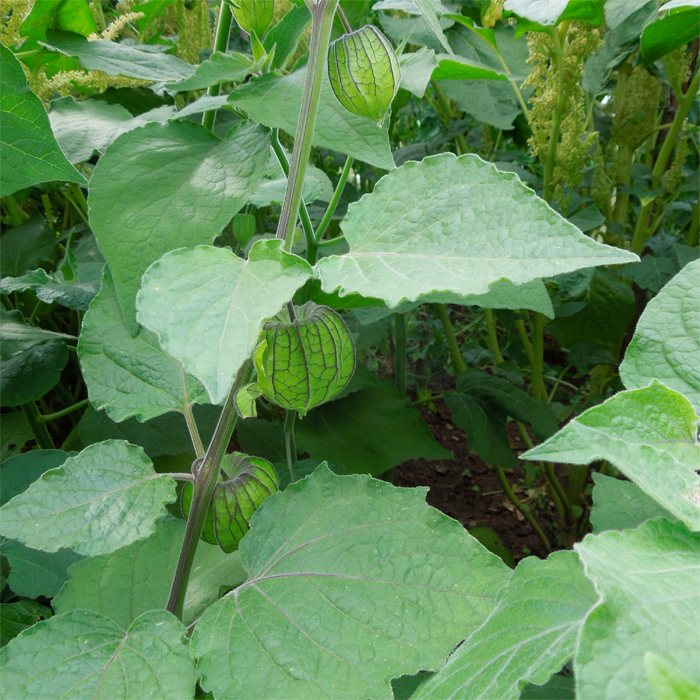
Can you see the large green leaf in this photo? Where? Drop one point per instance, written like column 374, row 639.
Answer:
column 649, row 435
column 86, row 126
column 129, row 376
column 169, row 186
column 220, row 68
column 458, row 225
column 650, row 602
column 207, row 305
column 137, row 578
column 85, row 655
column 275, row 101
column 666, row 343
column 69, row 15
column 679, row 25
column 529, row 636
column 28, row 149
column 27, row 246
column 100, row 500
column 622, row 505
column 368, row 432
column 144, row 62
column 351, row 582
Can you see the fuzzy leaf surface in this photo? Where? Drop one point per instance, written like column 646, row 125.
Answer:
column 529, row 636
column 129, row 376
column 28, row 148
column 649, row 435
column 666, row 343
column 126, row 583
column 275, row 101
column 98, row 501
column 207, row 305
column 650, row 602
column 351, row 582
column 465, row 226
column 85, row 655
column 169, row 186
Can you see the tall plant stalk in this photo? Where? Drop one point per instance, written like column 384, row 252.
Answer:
column 223, row 30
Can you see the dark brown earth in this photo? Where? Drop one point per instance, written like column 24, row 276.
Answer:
column 455, row 495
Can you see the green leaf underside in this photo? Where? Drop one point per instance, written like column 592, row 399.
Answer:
column 666, row 343
column 648, row 582
column 622, row 505
column 207, row 305
column 527, row 638
column 103, row 499
column 676, row 28
column 649, row 435
column 466, row 226
column 310, row 623
column 126, row 583
column 369, row 431
column 119, row 59
column 129, row 376
column 28, row 149
column 275, row 101
column 169, row 186
column 85, row 655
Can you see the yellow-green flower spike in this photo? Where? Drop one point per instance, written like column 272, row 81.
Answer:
column 305, row 361
column 364, row 72
column 253, row 15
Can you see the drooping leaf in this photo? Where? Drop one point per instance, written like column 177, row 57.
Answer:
column 460, row 68
column 68, row 15
column 650, row 602
column 126, row 583
column 275, row 101
column 85, row 655
column 448, row 234
column 528, row 637
column 622, row 505
column 415, row 30
column 665, row 344
column 431, row 11
column 19, row 616
column 286, row 34
column 679, row 25
column 27, row 246
column 86, row 126
column 416, row 70
column 28, row 149
column 652, row 273
column 219, row 68
column 351, row 582
column 100, row 500
column 129, row 376
column 144, row 62
column 29, row 374
column 207, row 305
column 369, row 431
column 169, row 186
column 649, row 435
column 16, row 335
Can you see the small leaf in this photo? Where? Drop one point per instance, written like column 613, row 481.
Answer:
column 15, row 433
column 286, row 35
column 19, row 616
column 28, row 149
column 416, row 70
column 207, row 305
column 448, row 234
column 649, row 435
column 528, row 637
column 85, row 655
column 351, row 582
column 103, row 499
column 650, row 573
column 27, row 246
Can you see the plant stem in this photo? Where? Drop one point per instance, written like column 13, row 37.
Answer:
column 538, row 388
column 522, row 332
column 449, row 114
column 311, row 244
column 290, row 441
column 400, row 352
column 322, row 13
column 457, row 359
column 206, row 475
column 37, row 426
column 223, row 29
column 344, row 20
column 334, row 200
column 641, row 230
column 493, row 336
column 692, row 237
column 97, row 4
column 558, row 113
column 527, row 513
column 189, row 417
column 63, row 412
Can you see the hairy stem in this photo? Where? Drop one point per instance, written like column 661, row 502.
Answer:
column 223, row 29
column 322, row 13
column 64, row 412
column 400, row 352
column 189, row 418
column 206, row 474
column 37, row 426
column 457, row 359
